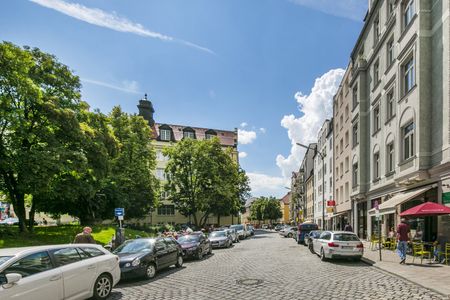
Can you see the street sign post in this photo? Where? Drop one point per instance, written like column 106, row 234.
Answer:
column 378, row 217
column 119, row 213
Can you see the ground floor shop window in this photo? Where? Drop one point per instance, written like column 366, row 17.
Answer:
column 362, row 220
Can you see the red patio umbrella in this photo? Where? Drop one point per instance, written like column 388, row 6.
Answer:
column 426, row 209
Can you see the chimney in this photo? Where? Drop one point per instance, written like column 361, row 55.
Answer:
column 146, row 110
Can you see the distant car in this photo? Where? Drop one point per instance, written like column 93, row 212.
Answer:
column 241, row 230
column 233, row 233
column 309, row 237
column 339, row 244
column 279, row 227
column 303, row 229
column 220, row 239
column 10, row 221
column 74, row 271
column 195, row 245
column 265, row 226
column 144, row 257
column 251, row 230
column 288, row 232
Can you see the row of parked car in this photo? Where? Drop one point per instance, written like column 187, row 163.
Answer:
column 326, row 244
column 81, row 271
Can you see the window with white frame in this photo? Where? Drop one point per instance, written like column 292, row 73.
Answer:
column 376, row 166
column 390, row 7
column 346, row 112
column 341, row 167
column 189, row 134
column 408, row 12
column 376, row 29
column 355, row 96
column 355, row 135
column 390, row 104
column 347, row 139
column 341, row 145
column 376, row 72
column 376, row 118
column 408, row 140
column 166, row 210
column 408, row 75
column 165, row 134
column 390, row 52
column 355, row 174
column 347, row 164
column 390, row 154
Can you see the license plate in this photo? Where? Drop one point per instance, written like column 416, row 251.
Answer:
column 347, row 247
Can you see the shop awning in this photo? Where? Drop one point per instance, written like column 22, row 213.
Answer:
column 339, row 214
column 388, row 207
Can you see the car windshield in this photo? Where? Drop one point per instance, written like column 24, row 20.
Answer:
column 4, row 259
column 237, row 227
column 188, row 238
column 135, row 246
column 218, row 234
column 345, row 237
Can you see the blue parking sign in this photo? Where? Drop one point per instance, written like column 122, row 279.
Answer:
column 119, row 212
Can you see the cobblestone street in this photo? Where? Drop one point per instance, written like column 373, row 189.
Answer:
column 271, row 267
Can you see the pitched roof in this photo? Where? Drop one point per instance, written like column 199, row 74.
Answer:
column 286, row 198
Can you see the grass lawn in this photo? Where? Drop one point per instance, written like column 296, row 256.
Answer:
column 49, row 235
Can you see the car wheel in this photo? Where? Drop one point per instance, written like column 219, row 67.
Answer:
column 150, row 271
column 322, row 255
column 290, row 235
column 103, row 287
column 200, row 254
column 311, row 248
column 179, row 263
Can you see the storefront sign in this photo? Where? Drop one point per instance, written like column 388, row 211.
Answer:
column 446, row 198
column 331, row 203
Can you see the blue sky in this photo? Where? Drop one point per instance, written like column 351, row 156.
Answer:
column 267, row 67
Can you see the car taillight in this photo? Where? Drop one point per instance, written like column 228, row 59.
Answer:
column 360, row 245
column 332, row 245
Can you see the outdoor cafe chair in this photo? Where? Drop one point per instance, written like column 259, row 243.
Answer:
column 418, row 250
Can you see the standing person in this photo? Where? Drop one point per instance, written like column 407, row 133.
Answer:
column 348, row 227
column 85, row 237
column 403, row 232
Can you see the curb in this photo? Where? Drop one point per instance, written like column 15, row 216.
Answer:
column 373, row 264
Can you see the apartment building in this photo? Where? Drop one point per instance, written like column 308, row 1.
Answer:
column 297, row 194
column 323, row 174
column 308, row 179
column 166, row 135
column 400, row 124
column 284, row 207
column 342, row 129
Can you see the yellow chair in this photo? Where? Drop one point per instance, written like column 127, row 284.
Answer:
column 446, row 252
column 389, row 243
column 418, row 250
column 374, row 241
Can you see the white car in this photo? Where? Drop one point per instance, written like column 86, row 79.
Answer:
column 74, row 271
column 338, row 244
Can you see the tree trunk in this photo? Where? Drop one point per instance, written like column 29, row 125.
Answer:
column 218, row 220
column 17, row 198
column 19, row 209
column 31, row 216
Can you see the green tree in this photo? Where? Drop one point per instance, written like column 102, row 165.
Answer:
column 39, row 104
column 265, row 208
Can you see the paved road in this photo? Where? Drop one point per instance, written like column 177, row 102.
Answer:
column 276, row 268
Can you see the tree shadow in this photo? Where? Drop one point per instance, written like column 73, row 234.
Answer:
column 133, row 282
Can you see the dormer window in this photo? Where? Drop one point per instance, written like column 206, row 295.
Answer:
column 210, row 134
column 165, row 134
column 188, row 133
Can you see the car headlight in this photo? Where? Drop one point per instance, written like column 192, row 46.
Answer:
column 136, row 262
column 127, row 265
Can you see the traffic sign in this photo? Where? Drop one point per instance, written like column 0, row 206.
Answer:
column 119, row 212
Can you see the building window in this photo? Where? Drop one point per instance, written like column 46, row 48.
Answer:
column 408, row 75
column 355, row 134
column 390, row 52
column 355, row 174
column 337, row 149
column 346, row 138
column 376, row 72
column 166, row 134
column 390, row 157
column 376, row 29
column 341, row 145
column 376, row 166
column 341, row 120
column 189, row 134
column 341, row 168
column 390, row 7
column 347, row 164
column 331, row 165
column 408, row 141
column 376, row 118
column 346, row 195
column 355, row 96
column 166, row 210
column 346, row 112
column 408, row 12
column 390, row 104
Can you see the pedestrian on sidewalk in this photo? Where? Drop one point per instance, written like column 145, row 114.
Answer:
column 85, row 237
column 348, row 227
column 403, row 233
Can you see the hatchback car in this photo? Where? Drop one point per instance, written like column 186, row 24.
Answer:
column 339, row 244
column 145, row 256
column 288, row 232
column 303, row 229
column 75, row 271
column 241, row 230
column 234, row 234
column 220, row 239
column 195, row 245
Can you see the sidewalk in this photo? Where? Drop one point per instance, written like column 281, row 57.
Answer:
column 432, row 276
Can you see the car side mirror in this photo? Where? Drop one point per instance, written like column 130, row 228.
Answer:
column 11, row 280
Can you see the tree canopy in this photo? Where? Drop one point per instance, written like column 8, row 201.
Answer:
column 265, row 208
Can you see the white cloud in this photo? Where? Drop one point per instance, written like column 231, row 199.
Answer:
column 112, row 21
column 243, row 154
column 314, row 109
column 244, row 124
column 126, row 86
column 263, row 130
column 246, row 136
column 349, row 9
column 265, row 185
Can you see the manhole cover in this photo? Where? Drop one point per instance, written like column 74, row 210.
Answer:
column 249, row 281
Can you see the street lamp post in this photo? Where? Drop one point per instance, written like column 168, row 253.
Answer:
column 323, row 181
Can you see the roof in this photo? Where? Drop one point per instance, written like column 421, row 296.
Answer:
column 286, row 198
column 226, row 137
column 249, row 201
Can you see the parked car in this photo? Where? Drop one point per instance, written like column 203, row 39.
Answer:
column 10, row 221
column 289, row 232
column 75, row 271
column 303, row 229
column 309, row 237
column 279, row 227
column 251, row 230
column 234, row 234
column 144, row 257
column 339, row 244
column 265, row 226
column 241, row 230
column 195, row 245
column 220, row 239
